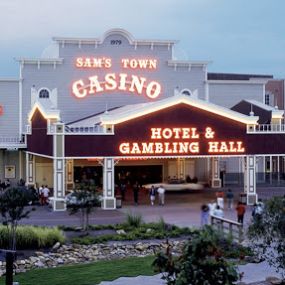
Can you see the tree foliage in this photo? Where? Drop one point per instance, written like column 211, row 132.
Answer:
column 267, row 233
column 13, row 203
column 83, row 200
column 201, row 263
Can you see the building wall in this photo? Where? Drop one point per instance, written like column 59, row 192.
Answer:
column 9, row 158
column 229, row 94
column 9, row 99
column 61, row 77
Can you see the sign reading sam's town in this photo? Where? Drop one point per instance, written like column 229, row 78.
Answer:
column 183, row 141
column 116, row 81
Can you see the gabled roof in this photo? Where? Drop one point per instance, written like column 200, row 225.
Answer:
column 47, row 113
column 130, row 112
column 275, row 113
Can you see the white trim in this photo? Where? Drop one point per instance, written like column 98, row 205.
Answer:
column 39, row 154
column 47, row 114
column 122, row 32
column 39, row 61
column 187, row 63
column 172, row 101
column 250, row 81
column 21, row 100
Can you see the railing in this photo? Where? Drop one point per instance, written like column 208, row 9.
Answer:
column 229, row 227
column 85, row 130
column 12, row 141
column 51, row 129
column 267, row 128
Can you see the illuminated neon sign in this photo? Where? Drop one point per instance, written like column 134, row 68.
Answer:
column 115, row 81
column 188, row 144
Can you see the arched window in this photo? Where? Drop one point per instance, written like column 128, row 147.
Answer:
column 44, row 93
column 186, row 92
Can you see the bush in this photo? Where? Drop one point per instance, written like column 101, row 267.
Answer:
column 202, row 262
column 30, row 237
column 134, row 220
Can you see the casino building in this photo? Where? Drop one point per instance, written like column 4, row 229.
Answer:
column 112, row 105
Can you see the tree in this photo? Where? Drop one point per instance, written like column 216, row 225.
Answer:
column 83, row 199
column 267, row 233
column 13, row 203
column 202, row 262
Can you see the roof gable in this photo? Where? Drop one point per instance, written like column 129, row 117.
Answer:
column 139, row 110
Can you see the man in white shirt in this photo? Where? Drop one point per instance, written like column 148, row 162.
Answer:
column 45, row 194
column 161, row 195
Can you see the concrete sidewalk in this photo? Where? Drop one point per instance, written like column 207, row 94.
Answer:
column 252, row 273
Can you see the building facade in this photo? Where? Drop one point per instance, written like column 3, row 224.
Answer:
column 100, row 107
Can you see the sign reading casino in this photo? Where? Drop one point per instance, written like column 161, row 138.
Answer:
column 182, row 141
column 116, row 81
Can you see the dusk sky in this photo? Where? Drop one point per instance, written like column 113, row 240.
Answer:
column 238, row 36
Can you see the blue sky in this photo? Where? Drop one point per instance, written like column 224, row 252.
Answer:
column 238, row 36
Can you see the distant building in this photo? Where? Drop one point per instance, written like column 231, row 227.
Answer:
column 275, row 92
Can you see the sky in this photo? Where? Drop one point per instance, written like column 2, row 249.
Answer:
column 237, row 36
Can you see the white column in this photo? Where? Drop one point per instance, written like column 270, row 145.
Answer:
column 59, row 169
column 271, row 169
column 20, row 165
column 30, row 169
column 109, row 200
column 250, row 179
column 215, row 173
column 278, row 168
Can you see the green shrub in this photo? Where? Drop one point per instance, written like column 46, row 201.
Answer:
column 201, row 262
column 30, row 237
column 134, row 220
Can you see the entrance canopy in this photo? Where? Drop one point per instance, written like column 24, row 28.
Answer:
column 173, row 127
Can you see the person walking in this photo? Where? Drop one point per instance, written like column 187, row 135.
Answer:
column 136, row 189
column 230, row 199
column 41, row 195
column 220, row 198
column 152, row 195
column 205, row 211
column 218, row 212
column 240, row 212
column 161, row 195
column 46, row 192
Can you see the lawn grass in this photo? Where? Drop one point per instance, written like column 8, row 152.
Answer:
column 87, row 274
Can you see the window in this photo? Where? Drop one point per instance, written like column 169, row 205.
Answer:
column 186, row 92
column 267, row 99
column 44, row 93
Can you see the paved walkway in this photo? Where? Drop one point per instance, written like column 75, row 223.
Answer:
column 252, row 273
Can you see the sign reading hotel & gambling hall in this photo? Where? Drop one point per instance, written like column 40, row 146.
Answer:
column 182, row 141
column 116, row 81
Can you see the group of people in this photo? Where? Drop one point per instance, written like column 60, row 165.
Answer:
column 217, row 208
column 161, row 195
column 44, row 193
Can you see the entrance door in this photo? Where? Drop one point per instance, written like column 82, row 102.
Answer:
column 190, row 168
column 44, row 174
column 172, row 168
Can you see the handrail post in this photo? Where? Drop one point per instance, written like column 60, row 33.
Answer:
column 240, row 233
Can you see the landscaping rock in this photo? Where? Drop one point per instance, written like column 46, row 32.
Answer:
column 56, row 246
column 273, row 280
column 74, row 254
column 121, row 232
